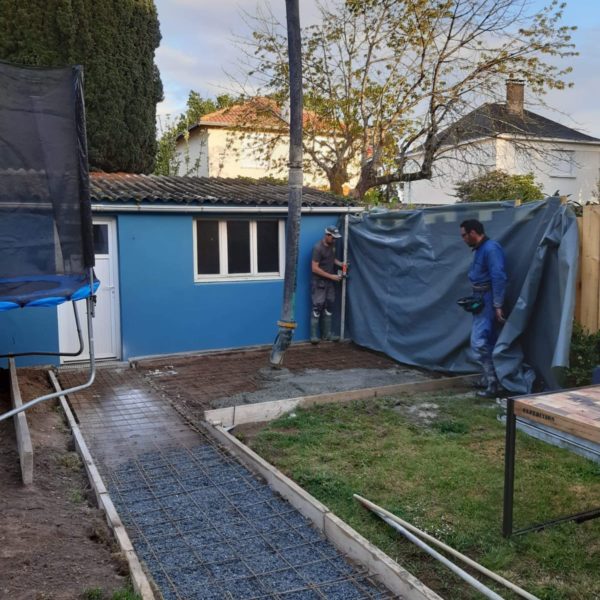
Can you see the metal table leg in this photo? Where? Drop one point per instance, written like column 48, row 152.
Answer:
column 509, row 469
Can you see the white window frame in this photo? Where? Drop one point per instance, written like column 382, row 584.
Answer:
column 563, row 164
column 224, row 256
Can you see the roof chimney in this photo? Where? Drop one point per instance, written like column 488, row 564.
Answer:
column 515, row 96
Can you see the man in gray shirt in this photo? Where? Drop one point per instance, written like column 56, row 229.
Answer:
column 322, row 289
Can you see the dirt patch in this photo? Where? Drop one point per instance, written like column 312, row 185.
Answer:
column 248, row 431
column 53, row 543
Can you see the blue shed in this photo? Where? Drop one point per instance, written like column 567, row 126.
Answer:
column 186, row 264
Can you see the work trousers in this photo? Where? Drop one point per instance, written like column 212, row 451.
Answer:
column 322, row 294
column 483, row 337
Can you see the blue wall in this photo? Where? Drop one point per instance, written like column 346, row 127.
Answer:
column 27, row 329
column 163, row 310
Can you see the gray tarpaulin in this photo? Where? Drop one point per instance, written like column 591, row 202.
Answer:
column 408, row 268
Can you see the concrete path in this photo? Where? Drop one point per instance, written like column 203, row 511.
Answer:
column 204, row 525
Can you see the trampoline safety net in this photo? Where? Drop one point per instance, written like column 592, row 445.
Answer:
column 46, row 244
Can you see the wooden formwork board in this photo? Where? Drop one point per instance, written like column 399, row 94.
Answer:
column 590, row 269
column 578, row 288
column 138, row 577
column 261, row 412
column 576, row 412
column 397, row 579
column 21, row 427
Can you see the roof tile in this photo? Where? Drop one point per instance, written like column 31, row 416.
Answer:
column 127, row 187
column 493, row 119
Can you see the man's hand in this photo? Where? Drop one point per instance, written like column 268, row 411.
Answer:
column 500, row 315
column 336, row 277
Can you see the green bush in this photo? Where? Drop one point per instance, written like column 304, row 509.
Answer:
column 499, row 185
column 583, row 357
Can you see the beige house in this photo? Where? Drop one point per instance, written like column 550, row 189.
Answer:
column 509, row 138
column 246, row 140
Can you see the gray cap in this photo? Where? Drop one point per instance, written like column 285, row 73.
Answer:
column 333, row 231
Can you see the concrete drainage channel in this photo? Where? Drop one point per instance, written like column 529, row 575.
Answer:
column 206, row 526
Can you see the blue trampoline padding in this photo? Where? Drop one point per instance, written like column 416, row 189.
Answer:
column 44, row 290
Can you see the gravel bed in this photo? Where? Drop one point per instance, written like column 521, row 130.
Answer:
column 208, row 528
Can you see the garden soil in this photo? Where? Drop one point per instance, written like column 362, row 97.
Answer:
column 54, row 545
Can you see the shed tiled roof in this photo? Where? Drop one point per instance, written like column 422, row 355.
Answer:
column 126, row 187
column 494, row 119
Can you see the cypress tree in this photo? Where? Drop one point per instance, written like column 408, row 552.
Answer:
column 115, row 41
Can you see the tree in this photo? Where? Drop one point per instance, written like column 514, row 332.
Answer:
column 499, row 185
column 387, row 77
column 168, row 162
column 115, row 43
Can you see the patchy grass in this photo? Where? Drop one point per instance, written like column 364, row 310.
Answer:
column 70, row 461
column 442, row 469
column 97, row 593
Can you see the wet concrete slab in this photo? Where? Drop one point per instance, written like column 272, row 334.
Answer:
column 216, row 380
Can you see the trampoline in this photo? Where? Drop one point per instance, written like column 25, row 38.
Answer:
column 46, row 239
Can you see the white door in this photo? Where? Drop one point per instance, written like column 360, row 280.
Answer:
column 106, row 321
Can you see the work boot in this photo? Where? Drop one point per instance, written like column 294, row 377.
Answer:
column 326, row 330
column 491, row 391
column 480, row 383
column 314, row 329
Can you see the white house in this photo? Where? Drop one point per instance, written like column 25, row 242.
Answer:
column 249, row 139
column 509, row 138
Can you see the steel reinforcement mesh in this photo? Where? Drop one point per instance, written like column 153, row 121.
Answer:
column 207, row 528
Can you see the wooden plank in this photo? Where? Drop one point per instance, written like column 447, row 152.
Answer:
column 340, row 534
column 397, row 579
column 576, row 412
column 590, row 266
column 299, row 498
column 21, row 427
column 260, row 412
column 578, row 284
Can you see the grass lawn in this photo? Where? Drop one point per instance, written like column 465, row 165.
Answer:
column 437, row 461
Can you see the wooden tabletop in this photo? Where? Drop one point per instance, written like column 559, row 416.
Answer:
column 576, row 412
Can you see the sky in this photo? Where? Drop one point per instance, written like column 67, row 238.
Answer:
column 197, row 52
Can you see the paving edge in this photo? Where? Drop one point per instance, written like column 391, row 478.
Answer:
column 348, row 541
column 24, row 445
column 267, row 411
column 139, row 579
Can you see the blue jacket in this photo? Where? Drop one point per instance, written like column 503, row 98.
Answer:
column 488, row 269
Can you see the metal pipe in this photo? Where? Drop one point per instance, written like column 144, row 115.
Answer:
column 480, row 587
column 92, row 376
column 345, row 258
column 509, row 469
column 509, row 584
column 287, row 322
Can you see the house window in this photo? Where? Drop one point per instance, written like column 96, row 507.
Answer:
column 238, row 249
column 563, row 164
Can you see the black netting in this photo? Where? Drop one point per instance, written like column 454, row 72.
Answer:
column 45, row 213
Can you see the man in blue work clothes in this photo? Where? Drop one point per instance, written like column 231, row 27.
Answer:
column 488, row 278
column 322, row 286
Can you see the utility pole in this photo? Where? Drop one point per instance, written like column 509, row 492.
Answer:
column 286, row 323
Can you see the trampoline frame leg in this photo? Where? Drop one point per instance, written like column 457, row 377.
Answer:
column 92, row 373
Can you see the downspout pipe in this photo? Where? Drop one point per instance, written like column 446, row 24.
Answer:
column 344, row 281
column 287, row 323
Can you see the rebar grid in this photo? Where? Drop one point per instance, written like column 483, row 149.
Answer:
column 208, row 528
